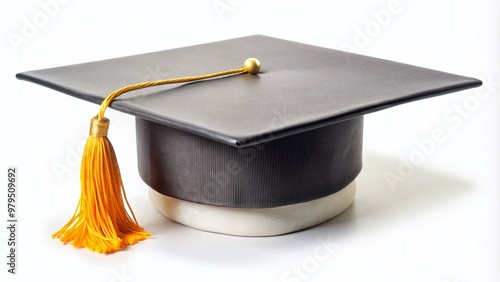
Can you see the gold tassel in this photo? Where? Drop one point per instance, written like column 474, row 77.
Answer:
column 101, row 221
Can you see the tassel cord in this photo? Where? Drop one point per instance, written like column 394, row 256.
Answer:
column 115, row 94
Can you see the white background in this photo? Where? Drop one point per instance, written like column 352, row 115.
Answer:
column 439, row 223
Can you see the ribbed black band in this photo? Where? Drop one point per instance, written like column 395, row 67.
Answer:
column 288, row 170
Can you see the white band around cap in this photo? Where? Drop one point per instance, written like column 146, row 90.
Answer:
column 254, row 221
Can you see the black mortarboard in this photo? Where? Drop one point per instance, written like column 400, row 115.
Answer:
column 252, row 155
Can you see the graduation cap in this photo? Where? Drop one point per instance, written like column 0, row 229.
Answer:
column 253, row 151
